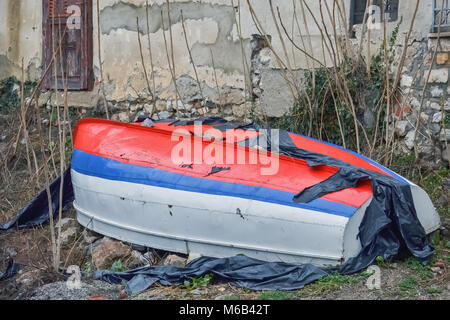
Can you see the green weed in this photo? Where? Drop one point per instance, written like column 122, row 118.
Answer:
column 276, row 295
column 88, row 267
column 433, row 290
column 408, row 287
column 334, row 282
column 424, row 271
column 197, row 283
column 117, row 266
column 10, row 92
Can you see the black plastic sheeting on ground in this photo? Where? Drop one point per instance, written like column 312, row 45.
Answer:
column 36, row 212
column 240, row 271
column 11, row 270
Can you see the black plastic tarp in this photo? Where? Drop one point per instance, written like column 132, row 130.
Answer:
column 240, row 271
column 36, row 212
column 11, row 270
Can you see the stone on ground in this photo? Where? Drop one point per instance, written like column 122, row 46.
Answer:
column 109, row 251
column 175, row 260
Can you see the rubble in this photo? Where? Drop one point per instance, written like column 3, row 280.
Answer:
column 163, row 115
column 436, row 76
column 90, row 236
column 137, row 259
column 28, row 278
column 108, row 251
column 446, row 155
column 60, row 291
column 192, row 256
column 69, row 229
column 68, row 234
column 444, row 135
column 409, row 140
column 401, row 128
column 65, row 221
column 437, row 117
column 175, row 260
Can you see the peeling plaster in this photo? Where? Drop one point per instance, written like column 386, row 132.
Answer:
column 225, row 49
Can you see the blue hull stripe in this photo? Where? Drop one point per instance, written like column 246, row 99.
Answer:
column 101, row 167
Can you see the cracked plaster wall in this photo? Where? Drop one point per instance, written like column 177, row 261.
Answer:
column 210, row 28
column 20, row 37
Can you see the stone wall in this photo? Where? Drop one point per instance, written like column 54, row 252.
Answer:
column 426, row 90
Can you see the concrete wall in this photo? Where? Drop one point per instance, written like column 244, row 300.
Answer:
column 211, row 31
column 212, row 34
column 20, row 37
column 209, row 28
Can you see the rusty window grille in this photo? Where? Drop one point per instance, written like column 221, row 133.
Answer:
column 441, row 15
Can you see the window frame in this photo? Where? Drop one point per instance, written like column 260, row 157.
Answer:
column 382, row 16
column 85, row 82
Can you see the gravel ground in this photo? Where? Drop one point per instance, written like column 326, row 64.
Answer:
column 94, row 289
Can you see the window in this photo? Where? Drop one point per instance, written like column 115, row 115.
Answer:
column 70, row 20
column 358, row 7
column 441, row 15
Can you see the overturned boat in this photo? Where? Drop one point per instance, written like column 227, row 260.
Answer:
column 220, row 189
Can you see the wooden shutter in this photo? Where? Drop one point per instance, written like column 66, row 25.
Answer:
column 76, row 67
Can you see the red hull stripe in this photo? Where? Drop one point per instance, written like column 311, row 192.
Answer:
column 152, row 147
column 308, row 144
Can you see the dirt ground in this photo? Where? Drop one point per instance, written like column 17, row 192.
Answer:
column 401, row 279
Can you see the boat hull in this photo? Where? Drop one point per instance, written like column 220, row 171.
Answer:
column 212, row 225
column 133, row 196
